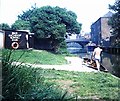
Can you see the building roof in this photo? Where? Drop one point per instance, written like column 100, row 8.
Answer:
column 109, row 14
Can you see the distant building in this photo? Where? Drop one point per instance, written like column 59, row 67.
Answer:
column 101, row 31
column 72, row 36
column 87, row 36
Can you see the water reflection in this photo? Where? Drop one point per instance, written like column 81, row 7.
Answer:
column 74, row 47
column 112, row 63
column 74, row 44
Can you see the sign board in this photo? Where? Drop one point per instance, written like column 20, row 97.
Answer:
column 16, row 39
column 14, row 36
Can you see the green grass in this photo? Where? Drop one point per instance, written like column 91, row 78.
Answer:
column 39, row 57
column 86, row 85
column 25, row 83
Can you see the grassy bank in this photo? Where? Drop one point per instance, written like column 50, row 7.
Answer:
column 38, row 57
column 86, row 85
column 25, row 83
column 32, row 83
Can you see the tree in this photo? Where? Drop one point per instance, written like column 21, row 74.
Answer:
column 48, row 14
column 21, row 25
column 23, row 22
column 115, row 21
column 51, row 22
column 4, row 26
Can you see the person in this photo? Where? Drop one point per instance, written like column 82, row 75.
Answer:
column 97, row 56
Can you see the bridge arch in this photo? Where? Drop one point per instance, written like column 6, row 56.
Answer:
column 83, row 43
column 74, row 44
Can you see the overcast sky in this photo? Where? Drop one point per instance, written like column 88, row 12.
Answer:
column 88, row 11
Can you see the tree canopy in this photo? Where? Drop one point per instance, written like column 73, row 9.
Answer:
column 115, row 20
column 49, row 22
column 21, row 25
column 44, row 20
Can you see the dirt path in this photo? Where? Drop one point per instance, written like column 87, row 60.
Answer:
column 75, row 64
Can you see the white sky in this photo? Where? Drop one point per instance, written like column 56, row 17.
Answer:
column 88, row 11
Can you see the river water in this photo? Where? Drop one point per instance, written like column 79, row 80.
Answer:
column 110, row 61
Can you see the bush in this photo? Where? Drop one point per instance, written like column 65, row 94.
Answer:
column 24, row 82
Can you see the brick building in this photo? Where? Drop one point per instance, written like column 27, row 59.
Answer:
column 101, row 31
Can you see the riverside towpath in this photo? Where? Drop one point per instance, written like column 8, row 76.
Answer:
column 75, row 64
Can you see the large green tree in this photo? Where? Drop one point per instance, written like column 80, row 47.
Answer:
column 45, row 17
column 52, row 22
column 115, row 21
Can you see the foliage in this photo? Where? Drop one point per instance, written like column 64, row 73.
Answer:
column 52, row 22
column 25, row 83
column 51, row 15
column 4, row 26
column 23, row 22
column 115, row 21
column 21, row 25
column 27, row 14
